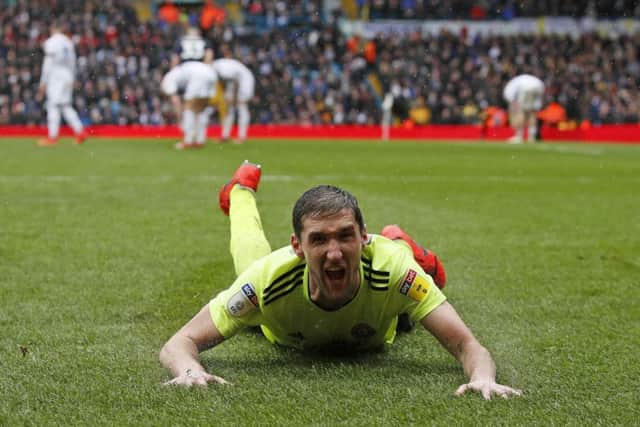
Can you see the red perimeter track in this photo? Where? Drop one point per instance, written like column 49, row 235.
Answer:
column 629, row 134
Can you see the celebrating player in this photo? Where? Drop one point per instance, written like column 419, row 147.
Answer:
column 524, row 95
column 56, row 80
column 335, row 287
column 197, row 81
column 239, row 87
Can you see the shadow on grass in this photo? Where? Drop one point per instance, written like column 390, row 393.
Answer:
column 249, row 353
column 294, row 359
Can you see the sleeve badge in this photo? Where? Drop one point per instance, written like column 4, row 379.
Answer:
column 414, row 286
column 243, row 302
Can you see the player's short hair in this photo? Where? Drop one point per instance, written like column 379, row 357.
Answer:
column 58, row 24
column 324, row 200
column 192, row 31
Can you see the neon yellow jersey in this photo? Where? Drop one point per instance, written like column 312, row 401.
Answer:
column 274, row 294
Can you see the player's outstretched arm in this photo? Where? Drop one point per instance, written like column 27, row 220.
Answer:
column 181, row 353
column 445, row 324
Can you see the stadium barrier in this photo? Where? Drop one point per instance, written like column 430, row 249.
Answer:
column 623, row 133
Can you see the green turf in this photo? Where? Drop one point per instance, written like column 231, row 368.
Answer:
column 106, row 249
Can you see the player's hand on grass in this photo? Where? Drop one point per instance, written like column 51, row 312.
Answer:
column 197, row 378
column 488, row 389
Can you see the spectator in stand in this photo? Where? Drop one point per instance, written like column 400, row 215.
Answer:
column 553, row 115
column 211, row 15
column 419, row 112
column 483, row 9
column 57, row 80
column 168, row 12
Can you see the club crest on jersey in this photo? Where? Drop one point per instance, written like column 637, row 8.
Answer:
column 243, row 302
column 362, row 331
column 414, row 286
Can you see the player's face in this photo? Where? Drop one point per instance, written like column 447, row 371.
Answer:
column 332, row 246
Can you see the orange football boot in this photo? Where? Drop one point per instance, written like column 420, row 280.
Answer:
column 425, row 258
column 247, row 175
column 47, row 142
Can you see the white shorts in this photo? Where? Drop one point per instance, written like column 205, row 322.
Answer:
column 200, row 86
column 529, row 100
column 197, row 80
column 246, row 88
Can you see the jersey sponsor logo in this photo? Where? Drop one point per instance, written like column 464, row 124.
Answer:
column 243, row 302
column 407, row 282
column 362, row 331
column 248, row 291
column 414, row 286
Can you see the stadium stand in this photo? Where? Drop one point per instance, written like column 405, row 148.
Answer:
column 491, row 9
column 309, row 70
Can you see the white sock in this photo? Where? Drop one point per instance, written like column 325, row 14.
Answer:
column 53, row 121
column 189, row 126
column 531, row 133
column 243, row 120
column 71, row 117
column 202, row 120
column 519, row 133
column 227, row 122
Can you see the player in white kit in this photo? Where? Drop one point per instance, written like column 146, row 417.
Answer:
column 192, row 47
column 196, row 82
column 524, row 94
column 56, row 80
column 239, row 88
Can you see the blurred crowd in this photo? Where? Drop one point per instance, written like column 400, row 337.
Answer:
column 313, row 73
column 455, row 77
column 494, row 9
column 268, row 14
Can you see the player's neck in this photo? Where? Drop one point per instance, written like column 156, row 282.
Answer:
column 329, row 303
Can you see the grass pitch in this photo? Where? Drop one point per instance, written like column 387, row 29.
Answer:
column 106, row 249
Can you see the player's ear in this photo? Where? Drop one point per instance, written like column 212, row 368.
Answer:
column 365, row 236
column 297, row 247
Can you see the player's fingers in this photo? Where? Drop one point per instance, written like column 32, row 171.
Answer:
column 486, row 392
column 200, row 382
column 513, row 391
column 176, row 381
column 501, row 391
column 504, row 390
column 217, row 379
column 462, row 389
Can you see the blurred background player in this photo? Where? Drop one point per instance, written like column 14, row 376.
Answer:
column 197, row 82
column 192, row 47
column 239, row 85
column 524, row 95
column 56, row 80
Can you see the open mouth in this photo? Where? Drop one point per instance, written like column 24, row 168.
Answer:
column 335, row 273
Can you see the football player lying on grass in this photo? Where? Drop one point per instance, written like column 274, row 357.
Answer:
column 334, row 287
